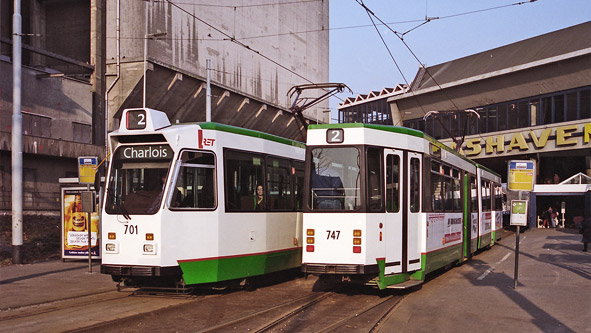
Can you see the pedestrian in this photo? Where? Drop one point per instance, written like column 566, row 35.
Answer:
column 586, row 231
column 548, row 217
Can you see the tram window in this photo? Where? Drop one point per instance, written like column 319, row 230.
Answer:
column 278, row 184
column 393, row 183
column 486, row 199
column 473, row 194
column 498, row 197
column 136, row 184
column 195, row 182
column 436, row 188
column 374, row 179
column 243, row 175
column 446, row 170
column 449, row 200
column 335, row 179
column 456, row 195
column 298, row 168
column 415, row 185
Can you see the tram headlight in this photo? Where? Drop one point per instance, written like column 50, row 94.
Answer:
column 112, row 247
column 149, row 248
column 310, row 232
column 356, row 233
column 356, row 241
column 309, row 240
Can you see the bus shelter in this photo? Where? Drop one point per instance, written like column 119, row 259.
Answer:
column 571, row 199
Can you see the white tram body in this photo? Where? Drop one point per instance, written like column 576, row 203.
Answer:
column 385, row 205
column 203, row 222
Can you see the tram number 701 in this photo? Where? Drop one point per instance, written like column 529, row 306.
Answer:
column 334, row 234
column 131, row 229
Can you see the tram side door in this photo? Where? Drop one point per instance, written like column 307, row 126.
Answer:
column 393, row 233
column 413, row 220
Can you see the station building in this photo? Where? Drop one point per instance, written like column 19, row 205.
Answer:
column 83, row 63
column 530, row 100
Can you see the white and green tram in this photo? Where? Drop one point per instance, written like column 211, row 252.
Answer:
column 181, row 202
column 386, row 205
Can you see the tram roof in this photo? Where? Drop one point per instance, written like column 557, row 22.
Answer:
column 247, row 132
column 401, row 130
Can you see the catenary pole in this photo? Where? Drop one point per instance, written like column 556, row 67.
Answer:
column 208, row 91
column 17, row 136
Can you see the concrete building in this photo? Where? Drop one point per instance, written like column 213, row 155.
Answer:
column 257, row 52
column 533, row 101
column 84, row 59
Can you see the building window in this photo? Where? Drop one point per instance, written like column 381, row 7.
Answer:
column 533, row 110
column 82, row 132
column 585, row 103
column 571, row 106
column 558, row 108
column 546, row 113
column 36, row 125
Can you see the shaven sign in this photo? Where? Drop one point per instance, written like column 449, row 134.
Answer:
column 204, row 142
column 528, row 141
column 155, row 152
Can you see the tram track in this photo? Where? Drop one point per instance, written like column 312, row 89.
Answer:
column 389, row 302
column 78, row 312
column 313, row 300
column 286, row 316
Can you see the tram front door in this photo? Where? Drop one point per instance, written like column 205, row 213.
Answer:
column 393, row 221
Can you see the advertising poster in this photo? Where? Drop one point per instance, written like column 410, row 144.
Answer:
column 443, row 230
column 75, row 225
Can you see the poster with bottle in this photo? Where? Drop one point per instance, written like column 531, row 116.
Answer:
column 75, row 225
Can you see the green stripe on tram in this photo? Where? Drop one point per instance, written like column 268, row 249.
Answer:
column 223, row 269
column 252, row 133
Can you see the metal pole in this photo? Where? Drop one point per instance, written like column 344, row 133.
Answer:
column 208, row 92
column 145, row 57
column 516, row 270
column 89, row 226
column 17, row 136
column 115, row 81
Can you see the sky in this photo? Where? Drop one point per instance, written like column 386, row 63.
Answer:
column 359, row 58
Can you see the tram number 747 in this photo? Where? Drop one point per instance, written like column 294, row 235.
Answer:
column 334, row 234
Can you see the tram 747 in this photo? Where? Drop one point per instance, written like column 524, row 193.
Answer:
column 199, row 203
column 386, row 205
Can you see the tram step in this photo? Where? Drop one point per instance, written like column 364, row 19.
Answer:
column 406, row 284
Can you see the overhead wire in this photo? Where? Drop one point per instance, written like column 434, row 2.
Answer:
column 401, row 37
column 370, row 13
column 420, row 21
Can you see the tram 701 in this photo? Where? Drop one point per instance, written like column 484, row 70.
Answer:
column 386, row 205
column 199, row 203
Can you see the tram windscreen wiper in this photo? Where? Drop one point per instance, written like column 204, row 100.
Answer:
column 120, row 207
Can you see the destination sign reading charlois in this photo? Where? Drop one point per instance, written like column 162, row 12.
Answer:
column 145, row 152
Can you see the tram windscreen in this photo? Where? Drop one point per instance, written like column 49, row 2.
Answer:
column 137, row 178
column 335, row 179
